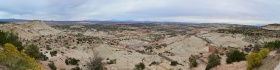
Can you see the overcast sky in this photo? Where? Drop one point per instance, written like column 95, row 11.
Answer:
column 202, row 11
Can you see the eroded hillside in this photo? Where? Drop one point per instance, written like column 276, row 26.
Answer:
column 133, row 43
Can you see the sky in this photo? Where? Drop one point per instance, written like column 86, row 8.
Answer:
column 248, row 12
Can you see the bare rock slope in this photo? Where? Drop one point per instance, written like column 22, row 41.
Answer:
column 275, row 26
column 27, row 30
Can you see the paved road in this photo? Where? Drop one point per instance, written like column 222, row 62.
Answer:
column 277, row 67
column 162, row 56
column 205, row 39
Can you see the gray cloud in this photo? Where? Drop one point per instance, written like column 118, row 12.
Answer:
column 234, row 11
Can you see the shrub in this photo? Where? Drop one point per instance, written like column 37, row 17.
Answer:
column 140, row 66
column 233, row 56
column 174, row 63
column 48, row 47
column 71, row 61
column 95, row 64
column 43, row 57
column 53, row 53
column 256, row 48
column 6, row 37
column 76, row 68
column 154, row 63
column 52, row 66
column 273, row 45
column 212, row 64
column 33, row 51
column 193, row 63
column 213, row 61
column 74, row 47
column 264, row 52
column 253, row 60
column 114, row 61
column 247, row 49
column 16, row 60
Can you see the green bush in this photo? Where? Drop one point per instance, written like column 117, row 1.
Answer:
column 154, row 63
column 213, row 61
column 33, row 51
column 53, row 53
column 6, row 37
column 273, row 45
column 193, row 63
column 140, row 66
column 76, row 68
column 52, row 66
column 95, row 64
column 235, row 56
column 71, row 61
column 174, row 63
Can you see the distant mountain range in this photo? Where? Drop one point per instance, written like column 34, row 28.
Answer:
column 13, row 20
column 23, row 20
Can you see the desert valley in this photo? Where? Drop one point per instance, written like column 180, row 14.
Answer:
column 154, row 45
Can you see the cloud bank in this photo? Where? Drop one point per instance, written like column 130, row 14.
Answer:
column 202, row 11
